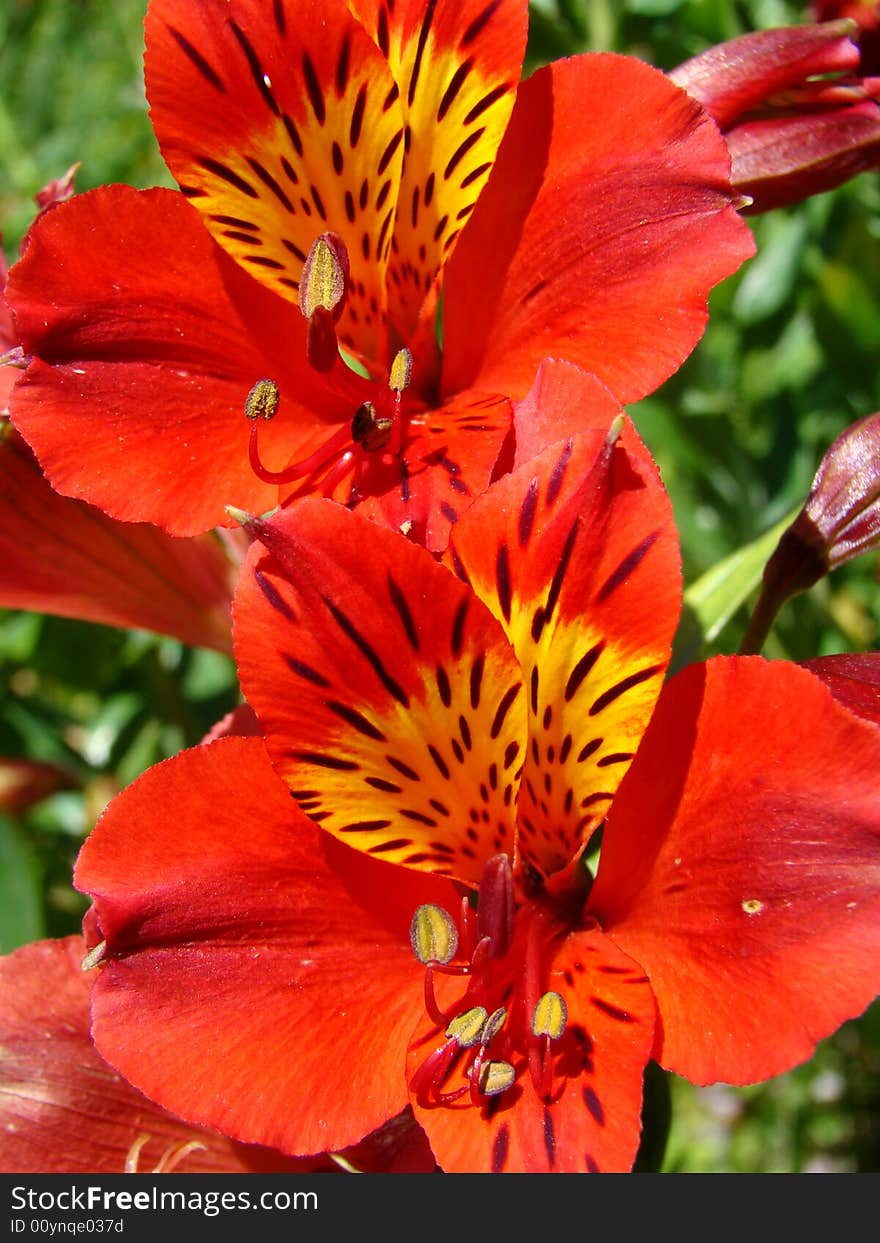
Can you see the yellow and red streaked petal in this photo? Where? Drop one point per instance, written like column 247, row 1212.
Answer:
column 390, row 700
column 457, row 64
column 593, row 1124
column 257, row 975
column 145, row 339
column 66, row 558
column 596, row 242
column 576, row 554
column 281, row 121
column 740, row 867
column 446, row 462
column 63, row 1110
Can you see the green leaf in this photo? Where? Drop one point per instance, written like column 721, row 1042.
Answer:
column 21, row 901
column 769, row 280
column 653, row 8
column 712, row 600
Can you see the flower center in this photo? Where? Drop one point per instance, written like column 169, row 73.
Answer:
column 378, row 425
column 502, row 1025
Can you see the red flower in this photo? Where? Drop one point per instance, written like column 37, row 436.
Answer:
column 63, row 1110
column 148, row 318
column 455, row 733
column 792, row 129
column 63, row 557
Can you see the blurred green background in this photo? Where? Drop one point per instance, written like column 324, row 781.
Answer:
column 790, row 358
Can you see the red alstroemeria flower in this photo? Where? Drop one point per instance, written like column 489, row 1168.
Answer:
column 63, row 1110
column 373, row 128
column 455, row 734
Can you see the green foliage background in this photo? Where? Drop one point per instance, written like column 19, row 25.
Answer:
column 790, row 358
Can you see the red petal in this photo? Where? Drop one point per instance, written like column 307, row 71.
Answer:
column 63, row 1110
column 576, row 554
column 391, row 702
column 258, row 976
column 853, row 679
column 562, row 402
column 146, row 340
column 599, row 1062
column 67, row 558
column 739, row 866
column 241, row 722
column 398, row 1147
column 598, row 243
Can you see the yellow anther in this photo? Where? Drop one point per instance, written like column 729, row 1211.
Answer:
column 614, row 430
column 496, row 1077
column 94, row 956
column 468, row 1028
column 369, row 430
column 433, row 935
column 262, row 401
column 550, row 1017
column 323, row 279
column 401, row 371
column 494, row 1023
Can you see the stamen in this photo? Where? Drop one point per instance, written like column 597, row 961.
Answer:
column 263, row 400
column 401, row 371
column 491, row 1027
column 322, row 290
column 343, row 467
column 494, row 1023
column 324, row 279
column 425, row 1083
column 614, row 430
column 469, row 1028
column 398, row 380
column 495, row 1078
column 133, row 1155
column 175, row 1153
column 550, row 1016
column 369, row 430
column 297, row 470
column 549, row 1020
column 432, row 935
column 94, row 956
column 170, row 1159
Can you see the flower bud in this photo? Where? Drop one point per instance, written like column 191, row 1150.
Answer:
column 840, row 519
column 853, row 679
column 790, row 134
column 841, row 515
column 866, row 15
